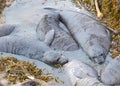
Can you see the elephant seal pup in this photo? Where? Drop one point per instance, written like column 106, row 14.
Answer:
column 111, row 74
column 28, row 47
column 49, row 31
column 92, row 36
column 6, row 29
column 81, row 74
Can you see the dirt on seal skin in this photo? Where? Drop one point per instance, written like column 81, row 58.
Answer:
column 111, row 17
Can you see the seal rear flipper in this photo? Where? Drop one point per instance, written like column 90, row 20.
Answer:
column 6, row 29
column 49, row 37
column 54, row 57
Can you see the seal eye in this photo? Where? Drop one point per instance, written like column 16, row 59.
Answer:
column 101, row 63
column 94, row 57
column 101, row 54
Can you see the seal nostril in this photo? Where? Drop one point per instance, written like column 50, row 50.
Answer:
column 101, row 63
column 92, row 59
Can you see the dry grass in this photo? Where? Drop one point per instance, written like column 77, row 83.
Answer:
column 3, row 4
column 16, row 71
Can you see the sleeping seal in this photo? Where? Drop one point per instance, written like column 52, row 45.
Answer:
column 92, row 36
column 30, row 48
column 49, row 31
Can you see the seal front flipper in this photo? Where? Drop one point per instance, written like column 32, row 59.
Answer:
column 40, row 35
column 6, row 29
column 49, row 37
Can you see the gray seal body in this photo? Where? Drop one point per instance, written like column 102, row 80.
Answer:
column 51, row 33
column 29, row 47
column 92, row 36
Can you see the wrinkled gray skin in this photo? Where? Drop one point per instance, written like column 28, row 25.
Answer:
column 111, row 74
column 59, row 40
column 28, row 47
column 21, row 46
column 91, row 35
column 82, row 74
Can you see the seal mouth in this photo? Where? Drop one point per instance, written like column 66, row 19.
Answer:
column 98, row 59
